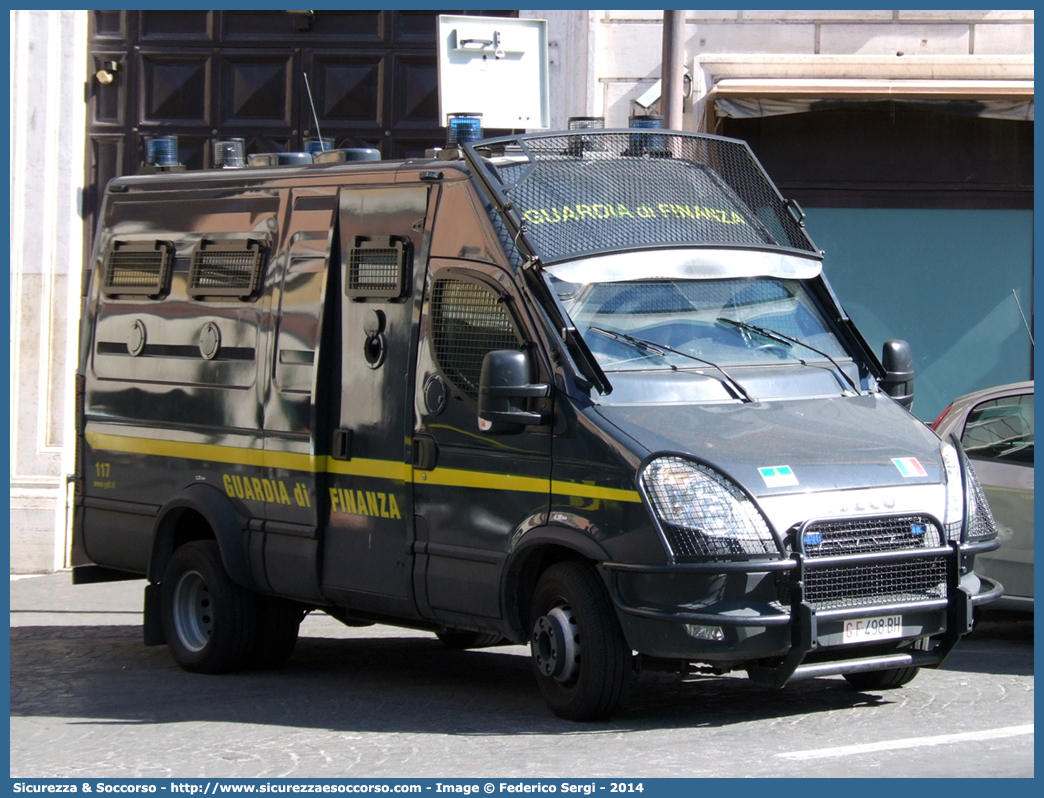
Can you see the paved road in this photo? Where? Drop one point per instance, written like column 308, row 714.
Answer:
column 88, row 700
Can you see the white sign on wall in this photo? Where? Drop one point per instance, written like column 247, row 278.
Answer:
column 495, row 66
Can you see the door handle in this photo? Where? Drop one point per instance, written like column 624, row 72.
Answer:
column 342, row 444
column 425, row 452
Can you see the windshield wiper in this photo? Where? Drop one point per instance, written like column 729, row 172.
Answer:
column 775, row 335
column 662, row 349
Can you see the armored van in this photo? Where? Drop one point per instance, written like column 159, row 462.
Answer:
column 591, row 392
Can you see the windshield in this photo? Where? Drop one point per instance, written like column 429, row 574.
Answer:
column 673, row 323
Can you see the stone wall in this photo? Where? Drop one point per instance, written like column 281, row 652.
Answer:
column 48, row 57
column 627, row 45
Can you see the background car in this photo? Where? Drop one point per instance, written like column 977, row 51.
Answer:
column 995, row 427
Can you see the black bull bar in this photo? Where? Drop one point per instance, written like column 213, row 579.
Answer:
column 804, row 618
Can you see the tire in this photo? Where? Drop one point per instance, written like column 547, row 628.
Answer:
column 881, row 680
column 208, row 620
column 278, row 622
column 581, row 660
column 461, row 639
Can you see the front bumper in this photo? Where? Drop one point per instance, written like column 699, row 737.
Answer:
column 738, row 620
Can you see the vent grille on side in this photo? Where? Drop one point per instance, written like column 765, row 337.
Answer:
column 377, row 268
column 226, row 268
column 141, row 269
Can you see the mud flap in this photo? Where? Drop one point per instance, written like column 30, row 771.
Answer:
column 151, row 625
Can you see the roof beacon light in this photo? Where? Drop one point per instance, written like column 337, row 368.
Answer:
column 647, row 143
column 586, row 122
column 318, row 144
column 645, row 121
column 229, row 154
column 578, row 146
column 162, row 151
column 463, row 128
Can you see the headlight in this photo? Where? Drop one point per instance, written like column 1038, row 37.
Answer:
column 965, row 495
column 981, row 525
column 702, row 513
column 954, row 492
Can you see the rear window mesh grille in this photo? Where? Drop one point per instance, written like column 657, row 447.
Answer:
column 225, row 269
column 138, row 268
column 467, row 321
column 376, row 269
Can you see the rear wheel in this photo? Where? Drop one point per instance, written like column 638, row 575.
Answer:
column 581, row 660
column 881, row 680
column 208, row 620
column 461, row 639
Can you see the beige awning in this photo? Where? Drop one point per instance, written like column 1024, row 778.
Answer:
column 753, row 97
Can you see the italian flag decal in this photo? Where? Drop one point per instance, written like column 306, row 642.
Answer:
column 909, row 467
column 778, row 476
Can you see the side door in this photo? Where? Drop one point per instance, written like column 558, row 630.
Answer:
column 472, row 491
column 290, row 554
column 998, row 437
column 367, row 560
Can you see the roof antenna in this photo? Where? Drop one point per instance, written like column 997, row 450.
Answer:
column 318, row 132
column 1023, row 316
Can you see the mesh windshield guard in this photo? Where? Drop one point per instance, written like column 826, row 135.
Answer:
column 588, row 192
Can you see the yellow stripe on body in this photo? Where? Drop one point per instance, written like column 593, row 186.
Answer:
column 238, row 455
column 377, row 469
column 480, row 479
column 595, row 492
column 358, row 467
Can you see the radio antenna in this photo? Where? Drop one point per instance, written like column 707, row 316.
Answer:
column 1023, row 316
column 318, row 132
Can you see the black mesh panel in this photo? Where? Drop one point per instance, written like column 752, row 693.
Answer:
column 884, row 583
column 597, row 192
column 467, row 321
column 870, row 535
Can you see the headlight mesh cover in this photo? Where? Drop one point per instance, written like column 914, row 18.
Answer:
column 980, row 521
column 702, row 513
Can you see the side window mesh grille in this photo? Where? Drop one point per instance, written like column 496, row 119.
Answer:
column 467, row 321
column 138, row 268
column 225, row 268
column 376, row 268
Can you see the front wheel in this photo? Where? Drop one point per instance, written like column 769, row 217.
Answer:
column 209, row 621
column 581, row 660
column 881, row 680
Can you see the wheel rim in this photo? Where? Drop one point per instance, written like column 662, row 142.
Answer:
column 556, row 644
column 193, row 614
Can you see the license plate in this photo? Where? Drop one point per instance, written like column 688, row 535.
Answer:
column 881, row 627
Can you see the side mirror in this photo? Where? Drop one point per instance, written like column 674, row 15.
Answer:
column 899, row 372
column 504, row 388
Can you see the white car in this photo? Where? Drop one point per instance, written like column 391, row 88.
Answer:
column 995, row 427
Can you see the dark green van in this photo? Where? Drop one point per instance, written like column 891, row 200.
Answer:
column 586, row 391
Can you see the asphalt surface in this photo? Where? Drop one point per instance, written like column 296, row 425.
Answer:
column 89, row 700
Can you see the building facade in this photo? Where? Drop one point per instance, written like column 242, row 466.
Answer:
column 905, row 135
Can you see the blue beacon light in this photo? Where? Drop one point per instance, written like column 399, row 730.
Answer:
column 463, row 128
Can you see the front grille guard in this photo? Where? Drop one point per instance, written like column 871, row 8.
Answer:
column 803, row 618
